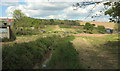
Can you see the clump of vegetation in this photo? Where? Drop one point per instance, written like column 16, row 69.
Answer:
column 79, row 31
column 22, row 21
column 89, row 27
column 64, row 55
column 117, row 27
column 12, row 37
column 25, row 55
column 101, row 29
column 65, row 26
column 26, row 32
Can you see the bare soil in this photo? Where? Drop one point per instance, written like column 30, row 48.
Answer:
column 91, row 35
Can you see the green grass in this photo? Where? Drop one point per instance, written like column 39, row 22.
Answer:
column 97, row 52
column 64, row 56
column 65, row 26
column 25, row 55
column 49, row 28
column 108, row 42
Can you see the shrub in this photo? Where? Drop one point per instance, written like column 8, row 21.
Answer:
column 93, row 24
column 4, row 39
column 55, row 31
column 26, row 32
column 25, row 55
column 88, row 26
column 117, row 27
column 79, row 31
column 64, row 56
column 90, row 33
column 101, row 29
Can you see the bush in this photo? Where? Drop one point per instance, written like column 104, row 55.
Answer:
column 93, row 24
column 4, row 39
column 26, row 32
column 55, row 31
column 90, row 33
column 88, row 27
column 79, row 31
column 64, row 56
column 25, row 55
column 101, row 29
column 117, row 27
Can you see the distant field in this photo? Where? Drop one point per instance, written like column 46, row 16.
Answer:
column 106, row 24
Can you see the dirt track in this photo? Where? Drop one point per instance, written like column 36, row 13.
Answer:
column 93, row 35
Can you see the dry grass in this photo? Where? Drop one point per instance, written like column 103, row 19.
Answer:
column 94, row 57
column 106, row 24
column 91, row 35
column 22, row 39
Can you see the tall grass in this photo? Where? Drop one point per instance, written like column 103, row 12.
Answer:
column 64, row 55
column 25, row 55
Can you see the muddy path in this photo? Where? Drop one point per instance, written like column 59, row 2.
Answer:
column 92, row 57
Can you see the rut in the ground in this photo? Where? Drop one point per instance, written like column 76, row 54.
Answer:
column 92, row 57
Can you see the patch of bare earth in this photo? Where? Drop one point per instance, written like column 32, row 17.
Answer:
column 92, row 35
column 59, row 29
column 92, row 57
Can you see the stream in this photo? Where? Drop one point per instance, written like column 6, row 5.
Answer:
column 44, row 61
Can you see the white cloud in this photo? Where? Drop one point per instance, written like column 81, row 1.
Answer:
column 40, row 9
column 58, row 10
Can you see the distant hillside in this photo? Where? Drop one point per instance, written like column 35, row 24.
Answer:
column 106, row 24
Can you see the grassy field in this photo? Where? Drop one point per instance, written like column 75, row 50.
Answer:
column 97, row 52
column 106, row 24
column 64, row 56
column 25, row 55
column 87, row 51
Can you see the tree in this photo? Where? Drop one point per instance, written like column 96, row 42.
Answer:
column 17, row 14
column 114, row 11
column 116, row 27
column 88, row 26
column 101, row 29
column 93, row 24
column 20, row 19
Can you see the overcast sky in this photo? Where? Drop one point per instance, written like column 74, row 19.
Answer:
column 52, row 9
